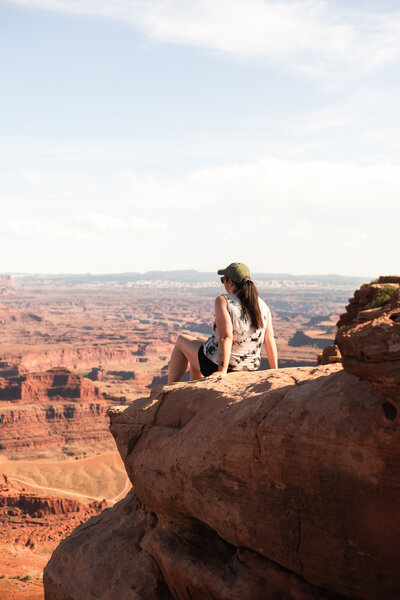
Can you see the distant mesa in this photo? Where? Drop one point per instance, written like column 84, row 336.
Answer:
column 14, row 315
column 7, row 284
column 301, row 339
column 55, row 409
column 54, row 384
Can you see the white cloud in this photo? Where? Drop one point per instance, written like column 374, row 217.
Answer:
column 90, row 228
column 322, row 119
column 298, row 216
column 100, row 224
column 279, row 188
column 314, row 36
column 26, row 227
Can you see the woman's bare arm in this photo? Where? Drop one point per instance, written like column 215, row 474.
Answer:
column 225, row 334
column 270, row 344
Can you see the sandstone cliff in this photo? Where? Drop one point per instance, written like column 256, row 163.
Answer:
column 51, row 409
column 279, row 484
column 31, row 525
column 22, row 503
column 371, row 300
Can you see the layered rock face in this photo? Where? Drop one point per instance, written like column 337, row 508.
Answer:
column 30, row 526
column 20, row 502
column 371, row 350
column 370, row 300
column 55, row 383
column 51, row 409
column 278, row 484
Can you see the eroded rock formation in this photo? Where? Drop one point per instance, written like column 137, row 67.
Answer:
column 21, row 502
column 278, row 484
column 51, row 409
column 371, row 350
column 7, row 284
column 372, row 300
column 31, row 525
column 330, row 354
column 368, row 336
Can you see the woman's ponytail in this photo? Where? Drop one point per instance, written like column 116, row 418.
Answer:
column 248, row 295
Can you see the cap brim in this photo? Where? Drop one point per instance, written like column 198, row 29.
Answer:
column 221, row 271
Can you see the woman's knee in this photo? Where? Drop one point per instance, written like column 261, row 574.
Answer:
column 179, row 340
column 182, row 339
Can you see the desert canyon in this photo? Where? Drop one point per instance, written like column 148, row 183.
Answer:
column 275, row 484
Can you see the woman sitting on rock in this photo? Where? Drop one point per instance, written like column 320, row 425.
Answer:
column 242, row 323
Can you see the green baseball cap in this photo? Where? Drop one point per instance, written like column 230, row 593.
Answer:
column 236, row 271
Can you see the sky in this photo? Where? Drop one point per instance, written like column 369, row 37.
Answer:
column 187, row 134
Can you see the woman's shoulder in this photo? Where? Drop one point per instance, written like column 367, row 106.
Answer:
column 221, row 300
column 263, row 306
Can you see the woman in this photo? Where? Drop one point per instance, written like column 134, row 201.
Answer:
column 242, row 322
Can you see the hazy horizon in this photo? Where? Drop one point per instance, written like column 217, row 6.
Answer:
column 199, row 272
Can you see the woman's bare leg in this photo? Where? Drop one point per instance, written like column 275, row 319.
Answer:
column 194, row 373
column 185, row 351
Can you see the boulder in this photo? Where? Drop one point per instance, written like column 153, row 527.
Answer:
column 330, row 354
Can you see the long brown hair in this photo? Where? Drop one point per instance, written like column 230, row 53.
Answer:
column 248, row 295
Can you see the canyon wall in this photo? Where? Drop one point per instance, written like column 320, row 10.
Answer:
column 51, row 409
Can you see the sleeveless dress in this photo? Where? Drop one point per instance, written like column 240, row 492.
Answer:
column 247, row 341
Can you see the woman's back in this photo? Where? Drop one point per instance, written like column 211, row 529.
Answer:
column 247, row 341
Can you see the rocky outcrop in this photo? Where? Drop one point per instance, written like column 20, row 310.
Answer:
column 330, row 354
column 372, row 300
column 51, row 409
column 11, row 315
column 7, row 284
column 81, row 357
column 371, row 350
column 368, row 337
column 301, row 339
column 31, row 525
column 59, row 384
column 278, row 484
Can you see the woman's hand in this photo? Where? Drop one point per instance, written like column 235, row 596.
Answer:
column 217, row 375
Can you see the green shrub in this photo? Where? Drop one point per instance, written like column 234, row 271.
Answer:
column 383, row 296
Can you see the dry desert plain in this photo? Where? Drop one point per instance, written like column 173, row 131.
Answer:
column 70, row 349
